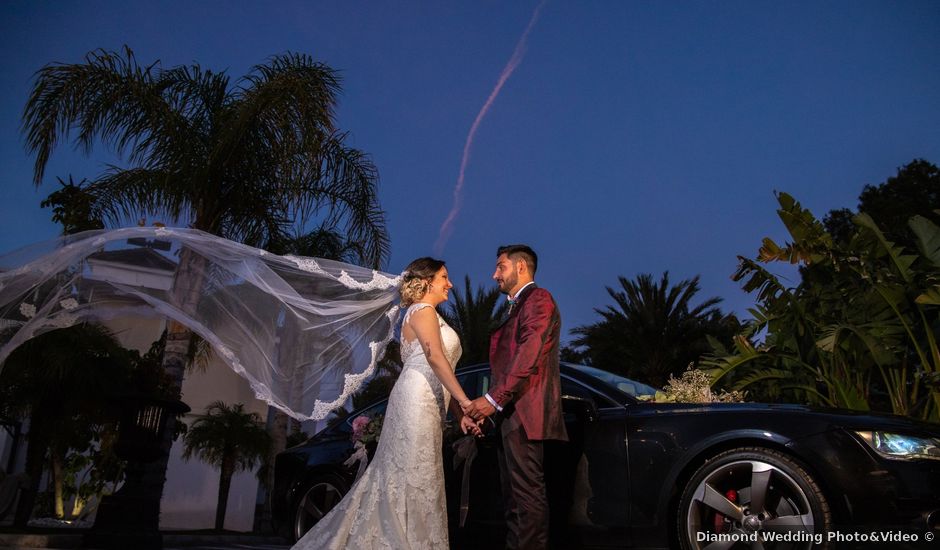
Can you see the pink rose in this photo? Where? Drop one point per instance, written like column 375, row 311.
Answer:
column 359, row 425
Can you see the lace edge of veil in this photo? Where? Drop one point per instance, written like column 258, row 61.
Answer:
column 75, row 246
column 352, row 382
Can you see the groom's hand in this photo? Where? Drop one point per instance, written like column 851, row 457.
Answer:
column 480, row 408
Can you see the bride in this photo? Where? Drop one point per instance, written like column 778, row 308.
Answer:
column 399, row 501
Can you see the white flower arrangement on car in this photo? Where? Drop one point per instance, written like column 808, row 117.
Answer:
column 694, row 386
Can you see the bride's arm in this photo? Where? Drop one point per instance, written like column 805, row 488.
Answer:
column 428, row 331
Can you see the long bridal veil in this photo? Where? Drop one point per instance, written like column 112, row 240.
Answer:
column 305, row 332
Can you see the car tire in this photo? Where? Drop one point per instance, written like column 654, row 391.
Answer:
column 321, row 494
column 718, row 503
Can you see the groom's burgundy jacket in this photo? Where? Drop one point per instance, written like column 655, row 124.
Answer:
column 524, row 363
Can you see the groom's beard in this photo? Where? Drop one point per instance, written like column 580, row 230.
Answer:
column 508, row 284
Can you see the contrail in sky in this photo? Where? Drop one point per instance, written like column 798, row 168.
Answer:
column 448, row 226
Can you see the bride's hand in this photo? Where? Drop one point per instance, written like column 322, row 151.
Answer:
column 465, row 405
column 468, row 425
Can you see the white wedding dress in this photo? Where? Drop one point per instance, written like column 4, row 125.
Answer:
column 399, row 501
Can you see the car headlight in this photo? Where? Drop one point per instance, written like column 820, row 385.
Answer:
column 901, row 447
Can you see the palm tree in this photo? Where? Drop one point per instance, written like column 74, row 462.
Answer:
column 241, row 161
column 248, row 161
column 653, row 331
column 474, row 315
column 230, row 439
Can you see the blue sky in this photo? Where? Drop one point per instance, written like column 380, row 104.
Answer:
column 635, row 137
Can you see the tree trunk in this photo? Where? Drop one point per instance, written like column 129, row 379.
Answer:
column 57, row 483
column 278, row 433
column 174, row 363
column 187, row 287
column 35, row 456
column 225, row 483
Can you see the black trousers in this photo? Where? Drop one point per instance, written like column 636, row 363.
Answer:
column 522, row 476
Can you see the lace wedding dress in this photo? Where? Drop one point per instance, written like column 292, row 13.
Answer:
column 399, row 501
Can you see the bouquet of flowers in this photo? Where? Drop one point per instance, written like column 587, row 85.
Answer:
column 366, row 430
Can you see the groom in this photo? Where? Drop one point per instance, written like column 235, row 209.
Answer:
column 526, row 390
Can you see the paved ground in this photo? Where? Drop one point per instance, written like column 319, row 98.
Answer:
column 210, row 547
column 19, row 541
column 231, row 546
column 214, row 545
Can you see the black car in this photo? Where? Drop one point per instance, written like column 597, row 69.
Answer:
column 639, row 473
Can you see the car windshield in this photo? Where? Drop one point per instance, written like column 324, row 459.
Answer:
column 630, row 387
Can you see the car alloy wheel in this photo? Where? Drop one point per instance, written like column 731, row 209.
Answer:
column 320, row 498
column 752, row 498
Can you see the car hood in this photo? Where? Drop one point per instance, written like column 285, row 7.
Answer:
column 838, row 418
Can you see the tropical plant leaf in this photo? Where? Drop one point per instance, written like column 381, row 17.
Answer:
column 810, row 390
column 719, row 366
column 717, row 347
column 867, row 298
column 760, row 375
column 770, row 251
column 757, row 277
column 810, row 239
column 930, row 297
column 902, row 262
column 928, row 238
column 831, row 337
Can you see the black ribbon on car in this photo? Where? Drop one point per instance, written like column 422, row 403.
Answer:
column 361, row 456
column 465, row 450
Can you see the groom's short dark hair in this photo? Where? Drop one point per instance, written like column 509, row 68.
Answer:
column 520, row 251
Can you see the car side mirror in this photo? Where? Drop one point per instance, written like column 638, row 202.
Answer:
column 582, row 408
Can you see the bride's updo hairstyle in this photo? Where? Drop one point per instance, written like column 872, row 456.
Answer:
column 416, row 279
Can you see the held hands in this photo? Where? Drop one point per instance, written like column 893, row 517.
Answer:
column 479, row 409
column 469, row 424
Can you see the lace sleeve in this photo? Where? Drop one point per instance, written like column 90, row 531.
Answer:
column 417, row 306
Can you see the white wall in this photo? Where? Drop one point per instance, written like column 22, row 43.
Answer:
column 192, row 487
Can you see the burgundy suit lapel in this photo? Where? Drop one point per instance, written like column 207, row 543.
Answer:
column 519, row 301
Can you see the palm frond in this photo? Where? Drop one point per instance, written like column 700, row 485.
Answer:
column 347, row 189
column 109, row 97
